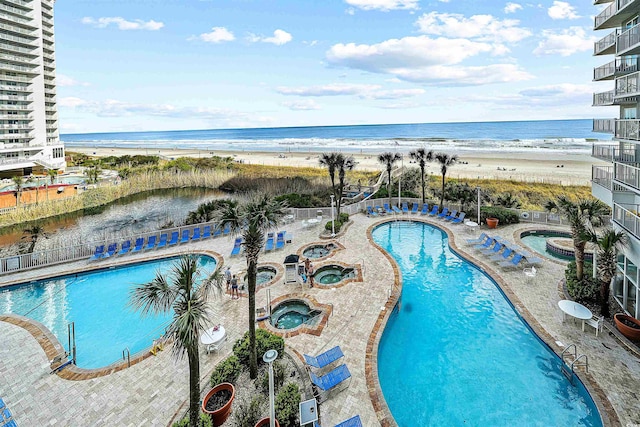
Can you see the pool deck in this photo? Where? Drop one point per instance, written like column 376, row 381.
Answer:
column 152, row 391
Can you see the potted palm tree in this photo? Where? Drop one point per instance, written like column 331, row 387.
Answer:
column 184, row 292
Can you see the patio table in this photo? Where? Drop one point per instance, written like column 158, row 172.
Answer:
column 575, row 310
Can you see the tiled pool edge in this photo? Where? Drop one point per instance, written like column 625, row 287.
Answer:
column 605, row 408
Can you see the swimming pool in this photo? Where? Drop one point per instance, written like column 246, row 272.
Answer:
column 457, row 353
column 98, row 304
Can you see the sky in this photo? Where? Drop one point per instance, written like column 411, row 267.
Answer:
column 144, row 65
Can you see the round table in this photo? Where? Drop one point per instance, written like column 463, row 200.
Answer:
column 211, row 336
column 313, row 221
column 576, row 310
column 472, row 225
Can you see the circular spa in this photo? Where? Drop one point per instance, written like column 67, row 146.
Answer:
column 265, row 275
column 552, row 244
column 333, row 274
column 319, row 250
column 293, row 313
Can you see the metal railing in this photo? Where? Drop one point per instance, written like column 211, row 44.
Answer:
column 604, row 71
column 604, row 125
column 606, row 42
column 627, row 174
column 628, row 129
column 603, row 98
column 607, row 13
column 626, row 216
column 603, row 176
column 627, row 85
column 627, row 39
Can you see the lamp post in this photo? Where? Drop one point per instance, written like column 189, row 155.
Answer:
column 400, row 180
column 269, row 357
column 478, row 188
column 333, row 225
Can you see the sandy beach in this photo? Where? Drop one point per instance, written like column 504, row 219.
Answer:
column 538, row 167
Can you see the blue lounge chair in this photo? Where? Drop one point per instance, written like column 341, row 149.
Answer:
column 184, row 236
column 414, row 209
column 1, row 403
column 493, row 250
column 111, row 251
column 513, row 262
column 126, row 246
column 139, row 245
column 151, row 242
column 6, row 413
column 351, row 422
column 163, row 240
column 98, row 253
column 459, row 219
column 405, row 207
column 451, row 215
column 379, row 210
column 396, row 209
column 174, row 238
column 434, row 211
column 217, row 232
column 206, row 232
column 486, row 244
column 227, row 229
column 269, row 245
column 324, row 359
column 387, row 209
column 237, row 246
column 11, row 423
column 425, row 209
column 196, row 234
column 330, row 381
column 506, row 253
column 479, row 240
column 371, row 212
column 280, row 240
column 444, row 213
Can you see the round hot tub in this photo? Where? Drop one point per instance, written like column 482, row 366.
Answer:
column 553, row 244
column 332, row 274
column 319, row 250
column 265, row 275
column 292, row 313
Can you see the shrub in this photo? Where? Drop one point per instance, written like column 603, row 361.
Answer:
column 504, row 216
column 205, row 421
column 343, row 217
column 279, row 371
column 586, row 290
column 296, row 200
column 337, row 227
column 227, row 371
column 287, row 405
column 247, row 414
column 264, row 341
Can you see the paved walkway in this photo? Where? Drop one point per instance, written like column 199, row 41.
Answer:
column 150, row 392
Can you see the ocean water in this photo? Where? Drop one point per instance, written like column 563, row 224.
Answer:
column 571, row 136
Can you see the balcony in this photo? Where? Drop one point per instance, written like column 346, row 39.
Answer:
column 613, row 152
column 18, row 30
column 616, row 68
column 626, row 217
column 607, row 44
column 21, row 3
column 4, row 136
column 628, row 129
column 23, row 40
column 16, row 116
column 628, row 42
column 605, row 72
column 17, row 49
column 603, row 176
column 603, row 98
column 601, row 1
column 15, row 98
column 604, row 125
column 615, row 14
column 18, row 68
column 14, row 10
column 14, row 107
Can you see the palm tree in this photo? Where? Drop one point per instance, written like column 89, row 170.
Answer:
column 52, row 174
column 580, row 215
column 343, row 164
column 445, row 162
column 607, row 245
column 422, row 157
column 33, row 234
column 329, row 161
column 32, row 180
column 18, row 181
column 388, row 159
column 508, row 200
column 184, row 292
column 252, row 221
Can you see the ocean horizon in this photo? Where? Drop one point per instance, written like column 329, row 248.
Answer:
column 574, row 136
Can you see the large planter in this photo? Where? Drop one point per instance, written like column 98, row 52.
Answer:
column 265, row 423
column 492, row 222
column 219, row 416
column 629, row 332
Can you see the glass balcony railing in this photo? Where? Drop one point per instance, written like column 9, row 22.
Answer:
column 626, row 216
column 604, row 125
column 606, row 44
column 628, row 129
column 610, row 12
column 603, row 98
column 627, row 174
column 603, row 176
column 628, row 85
column 628, row 39
column 604, row 71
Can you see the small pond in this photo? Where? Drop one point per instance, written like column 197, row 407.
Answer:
column 318, row 250
column 332, row 274
column 293, row 313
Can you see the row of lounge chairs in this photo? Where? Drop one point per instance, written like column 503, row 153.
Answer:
column 6, row 417
column 453, row 216
column 503, row 252
column 274, row 241
column 157, row 242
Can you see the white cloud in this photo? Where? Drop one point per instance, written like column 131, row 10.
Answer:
column 383, row 5
column 393, row 94
column 279, row 38
column 401, row 105
column 302, row 105
column 217, row 35
column 465, row 76
column 565, row 42
column 562, row 10
column 71, row 102
column 480, row 27
column 64, row 80
column 123, row 24
column 328, row 90
column 541, row 96
column 512, row 7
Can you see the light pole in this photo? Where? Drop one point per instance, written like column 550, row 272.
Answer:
column 333, row 225
column 269, row 357
column 478, row 188
column 400, row 180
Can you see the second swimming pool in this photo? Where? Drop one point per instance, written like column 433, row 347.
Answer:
column 456, row 353
column 98, row 304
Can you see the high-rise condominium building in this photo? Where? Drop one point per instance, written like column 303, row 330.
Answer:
column 618, row 184
column 29, row 139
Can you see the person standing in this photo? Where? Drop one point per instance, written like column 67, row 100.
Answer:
column 227, row 276
column 234, row 288
column 310, row 274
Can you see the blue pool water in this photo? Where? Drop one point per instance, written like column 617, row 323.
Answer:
column 456, row 353
column 538, row 242
column 98, row 304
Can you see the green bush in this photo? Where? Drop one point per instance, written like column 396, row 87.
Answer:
column 586, row 290
column 296, row 200
column 504, row 216
column 205, row 421
column 247, row 414
column 264, row 341
column 337, row 227
column 287, row 405
column 227, row 371
column 279, row 371
column 343, row 217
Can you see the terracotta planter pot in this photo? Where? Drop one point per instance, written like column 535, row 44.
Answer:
column 492, row 222
column 265, row 423
column 629, row 332
column 218, row 417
